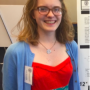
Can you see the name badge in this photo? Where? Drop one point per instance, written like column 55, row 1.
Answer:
column 28, row 74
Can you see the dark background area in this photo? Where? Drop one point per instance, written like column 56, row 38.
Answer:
column 2, row 52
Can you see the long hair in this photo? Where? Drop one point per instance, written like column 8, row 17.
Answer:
column 64, row 33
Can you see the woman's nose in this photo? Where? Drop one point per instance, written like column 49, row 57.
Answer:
column 50, row 14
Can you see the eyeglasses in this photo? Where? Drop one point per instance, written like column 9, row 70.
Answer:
column 45, row 10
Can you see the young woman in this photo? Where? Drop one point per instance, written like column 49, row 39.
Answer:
column 46, row 56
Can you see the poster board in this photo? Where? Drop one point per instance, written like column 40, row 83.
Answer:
column 10, row 15
column 83, row 22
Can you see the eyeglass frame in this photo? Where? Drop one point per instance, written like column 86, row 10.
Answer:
column 48, row 10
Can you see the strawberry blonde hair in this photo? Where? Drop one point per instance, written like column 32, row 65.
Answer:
column 29, row 34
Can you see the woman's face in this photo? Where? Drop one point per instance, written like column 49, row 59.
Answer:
column 49, row 22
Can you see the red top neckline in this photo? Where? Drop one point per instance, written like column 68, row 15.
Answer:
column 52, row 68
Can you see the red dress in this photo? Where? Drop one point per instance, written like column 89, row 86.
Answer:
column 48, row 77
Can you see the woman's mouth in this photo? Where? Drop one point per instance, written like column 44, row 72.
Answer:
column 50, row 22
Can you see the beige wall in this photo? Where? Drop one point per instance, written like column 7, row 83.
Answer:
column 72, row 9
column 12, row 2
column 70, row 4
column 4, row 38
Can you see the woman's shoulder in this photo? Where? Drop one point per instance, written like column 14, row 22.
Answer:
column 15, row 48
column 72, row 48
column 72, row 45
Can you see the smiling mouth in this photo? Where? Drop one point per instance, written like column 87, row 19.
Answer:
column 50, row 22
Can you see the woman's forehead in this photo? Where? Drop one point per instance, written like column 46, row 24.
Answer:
column 49, row 3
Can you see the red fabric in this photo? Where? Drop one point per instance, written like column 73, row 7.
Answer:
column 48, row 77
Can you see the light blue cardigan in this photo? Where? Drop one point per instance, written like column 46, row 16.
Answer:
column 19, row 54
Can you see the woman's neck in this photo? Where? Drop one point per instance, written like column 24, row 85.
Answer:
column 47, row 37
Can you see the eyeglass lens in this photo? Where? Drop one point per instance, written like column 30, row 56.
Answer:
column 45, row 10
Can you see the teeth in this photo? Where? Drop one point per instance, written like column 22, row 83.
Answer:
column 50, row 21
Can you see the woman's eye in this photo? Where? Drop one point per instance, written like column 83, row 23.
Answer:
column 43, row 9
column 56, row 10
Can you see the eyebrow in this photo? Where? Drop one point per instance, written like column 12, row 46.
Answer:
column 48, row 7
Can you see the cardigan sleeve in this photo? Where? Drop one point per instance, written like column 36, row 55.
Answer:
column 75, row 52
column 9, row 70
column 16, row 57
